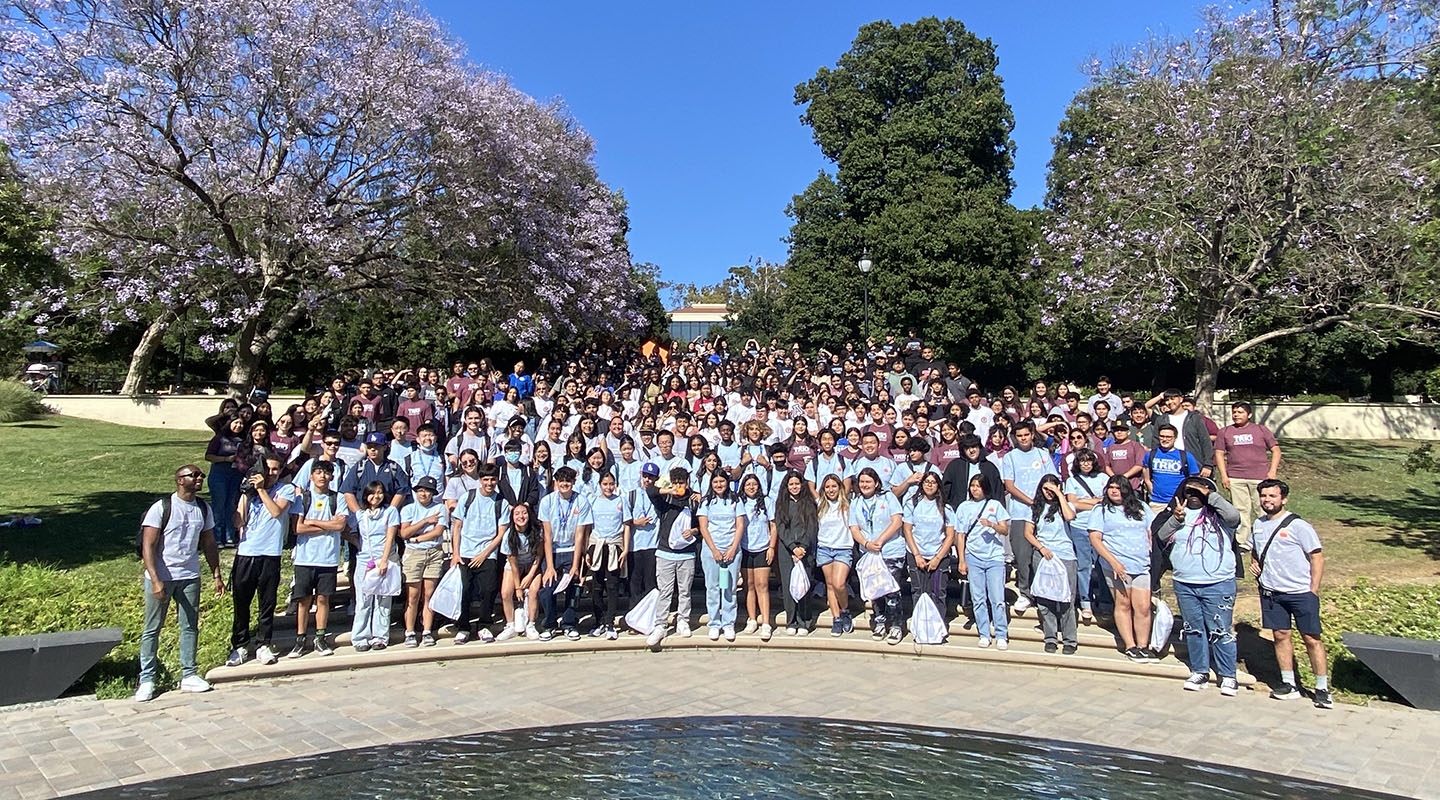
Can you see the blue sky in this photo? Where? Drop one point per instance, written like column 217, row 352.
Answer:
column 691, row 105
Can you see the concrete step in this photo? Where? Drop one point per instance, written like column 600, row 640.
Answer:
column 1023, row 651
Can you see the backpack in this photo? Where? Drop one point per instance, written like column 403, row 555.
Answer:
column 1184, row 460
column 470, row 499
column 164, row 523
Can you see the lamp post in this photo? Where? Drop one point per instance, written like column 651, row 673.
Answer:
column 865, row 264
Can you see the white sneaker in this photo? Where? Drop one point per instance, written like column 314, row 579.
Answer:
column 729, row 632
column 766, row 632
column 802, row 631
column 751, row 626
column 984, row 642
column 656, row 636
column 1197, row 682
column 486, row 636
column 507, row 634
column 1002, row 644
column 531, row 632
column 683, row 628
column 195, row 685
column 265, row 655
column 145, row 692
column 715, row 635
column 1022, row 604
column 1229, row 687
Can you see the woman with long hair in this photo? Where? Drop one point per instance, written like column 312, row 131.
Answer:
column 982, row 529
column 1048, row 531
column 722, row 528
column 758, row 553
column 606, row 556
column 930, row 538
column 225, row 478
column 835, row 551
column 1120, row 534
column 1082, row 491
column 797, row 525
column 695, row 449
column 800, row 447
column 574, row 456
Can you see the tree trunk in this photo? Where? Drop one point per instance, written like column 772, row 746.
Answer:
column 244, row 363
column 138, row 375
column 1207, row 375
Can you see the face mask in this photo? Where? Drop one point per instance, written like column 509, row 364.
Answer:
column 427, row 448
column 512, row 457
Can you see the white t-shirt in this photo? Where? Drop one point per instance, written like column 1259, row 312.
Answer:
column 1287, row 562
column 180, row 541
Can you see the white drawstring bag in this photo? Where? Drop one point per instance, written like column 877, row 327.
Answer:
column 445, row 601
column 799, row 581
column 387, row 585
column 1051, row 581
column 875, row 578
column 641, row 617
column 927, row 624
column 1162, row 623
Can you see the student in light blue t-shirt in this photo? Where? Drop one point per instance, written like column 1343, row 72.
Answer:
column 722, row 528
column 930, row 538
column 604, row 524
column 321, row 520
column 876, row 522
column 757, row 555
column 1048, row 531
column 1120, row 534
column 262, row 517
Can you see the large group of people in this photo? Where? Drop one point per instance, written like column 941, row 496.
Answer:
column 610, row 475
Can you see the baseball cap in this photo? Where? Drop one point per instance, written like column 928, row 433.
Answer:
column 650, row 469
column 378, row 438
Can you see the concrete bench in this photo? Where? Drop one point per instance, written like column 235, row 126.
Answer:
column 1410, row 666
column 43, row 665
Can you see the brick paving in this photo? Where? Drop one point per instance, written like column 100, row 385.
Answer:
column 73, row 746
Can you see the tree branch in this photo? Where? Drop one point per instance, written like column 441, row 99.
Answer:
column 1319, row 324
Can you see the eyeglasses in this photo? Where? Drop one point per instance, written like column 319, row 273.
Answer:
column 198, row 476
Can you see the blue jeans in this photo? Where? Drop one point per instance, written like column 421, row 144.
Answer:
column 1208, row 610
column 1089, row 586
column 987, row 592
column 372, row 617
column 225, row 483
column 568, row 598
column 720, row 588
column 187, row 607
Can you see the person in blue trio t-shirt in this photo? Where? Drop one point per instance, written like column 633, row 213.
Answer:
column 1166, row 466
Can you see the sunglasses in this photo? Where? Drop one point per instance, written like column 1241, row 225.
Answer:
column 331, row 444
column 199, row 476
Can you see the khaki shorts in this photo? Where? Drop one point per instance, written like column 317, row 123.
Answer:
column 422, row 564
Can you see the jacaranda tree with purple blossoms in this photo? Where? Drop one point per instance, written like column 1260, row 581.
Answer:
column 244, row 163
column 1259, row 179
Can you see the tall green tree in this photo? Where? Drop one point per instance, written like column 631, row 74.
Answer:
column 915, row 120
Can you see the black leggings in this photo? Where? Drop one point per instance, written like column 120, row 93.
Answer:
column 605, row 593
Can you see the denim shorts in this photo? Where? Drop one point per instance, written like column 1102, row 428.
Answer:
column 841, row 555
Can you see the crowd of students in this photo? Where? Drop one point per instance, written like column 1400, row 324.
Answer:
column 614, row 473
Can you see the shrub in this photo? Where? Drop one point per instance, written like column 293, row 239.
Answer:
column 1407, row 611
column 18, row 403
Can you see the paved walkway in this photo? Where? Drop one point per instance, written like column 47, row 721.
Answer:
column 72, row 746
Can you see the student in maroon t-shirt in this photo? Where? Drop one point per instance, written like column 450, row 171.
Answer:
column 947, row 448
column 1126, row 456
column 1245, row 454
column 414, row 410
column 883, row 431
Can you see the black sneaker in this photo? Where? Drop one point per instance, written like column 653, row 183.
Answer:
column 322, row 648
column 877, row 631
column 1285, row 692
column 1069, row 649
column 1151, row 654
column 298, row 650
column 1051, row 647
column 1322, row 699
column 1136, row 655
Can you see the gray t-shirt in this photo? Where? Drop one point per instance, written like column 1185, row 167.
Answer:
column 1287, row 562
column 180, row 541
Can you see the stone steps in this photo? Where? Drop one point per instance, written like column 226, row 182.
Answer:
column 1097, row 651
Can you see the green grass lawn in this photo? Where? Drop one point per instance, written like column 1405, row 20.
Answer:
column 91, row 482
